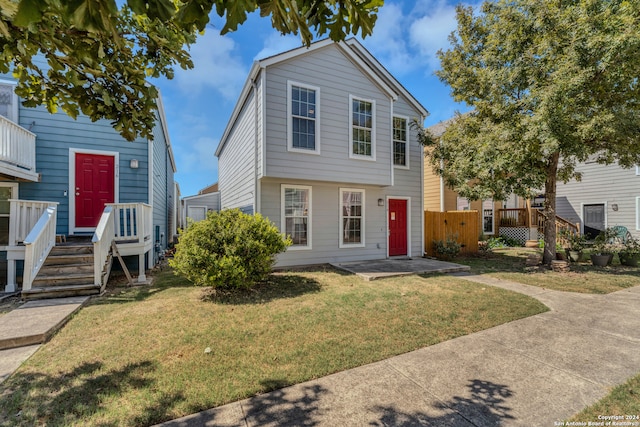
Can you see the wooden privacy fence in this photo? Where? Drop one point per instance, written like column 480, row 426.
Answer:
column 463, row 225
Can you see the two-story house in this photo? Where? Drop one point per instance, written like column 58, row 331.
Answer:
column 320, row 143
column 607, row 195
column 61, row 177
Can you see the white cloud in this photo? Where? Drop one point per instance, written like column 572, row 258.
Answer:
column 197, row 156
column 429, row 32
column 388, row 41
column 216, row 66
column 276, row 43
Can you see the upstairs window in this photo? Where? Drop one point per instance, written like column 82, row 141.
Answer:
column 400, row 142
column 303, row 117
column 8, row 101
column 362, row 128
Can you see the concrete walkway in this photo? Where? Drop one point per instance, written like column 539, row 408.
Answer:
column 381, row 268
column 531, row 372
column 23, row 330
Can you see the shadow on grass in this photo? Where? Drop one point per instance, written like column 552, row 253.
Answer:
column 486, row 405
column 73, row 396
column 122, row 293
column 277, row 286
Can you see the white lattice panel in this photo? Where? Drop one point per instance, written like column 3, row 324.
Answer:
column 517, row 233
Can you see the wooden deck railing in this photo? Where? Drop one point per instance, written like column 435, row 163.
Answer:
column 521, row 218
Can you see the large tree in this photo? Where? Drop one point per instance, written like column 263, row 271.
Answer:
column 95, row 57
column 552, row 83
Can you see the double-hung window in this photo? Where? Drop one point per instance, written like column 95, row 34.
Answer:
column 400, row 142
column 303, row 130
column 362, row 112
column 296, row 215
column 351, row 217
column 8, row 101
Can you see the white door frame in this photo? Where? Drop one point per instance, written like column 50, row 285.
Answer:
column 72, row 184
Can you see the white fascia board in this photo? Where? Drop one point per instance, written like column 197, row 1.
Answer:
column 244, row 94
column 379, row 68
column 163, row 121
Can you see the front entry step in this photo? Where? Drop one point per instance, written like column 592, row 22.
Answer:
column 67, row 271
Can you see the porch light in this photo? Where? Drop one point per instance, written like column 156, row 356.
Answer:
column 614, row 207
column 380, row 202
column 133, row 164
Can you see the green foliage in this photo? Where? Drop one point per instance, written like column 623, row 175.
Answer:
column 99, row 55
column 229, row 249
column 573, row 240
column 501, row 242
column 449, row 248
column 606, row 242
column 551, row 84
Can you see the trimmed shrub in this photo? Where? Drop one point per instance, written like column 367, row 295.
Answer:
column 228, row 249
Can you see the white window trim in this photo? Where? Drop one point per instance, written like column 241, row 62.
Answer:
column 637, row 170
column 637, row 213
column 341, row 217
column 283, row 224
column 72, row 184
column 493, row 217
column 406, row 148
column 290, row 146
column 15, row 118
column 15, row 196
column 371, row 158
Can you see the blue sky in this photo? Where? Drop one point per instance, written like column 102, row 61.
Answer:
column 198, row 102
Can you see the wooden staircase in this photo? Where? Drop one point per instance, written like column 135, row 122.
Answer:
column 67, row 271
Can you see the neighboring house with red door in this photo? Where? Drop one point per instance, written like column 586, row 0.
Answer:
column 62, row 178
column 320, row 143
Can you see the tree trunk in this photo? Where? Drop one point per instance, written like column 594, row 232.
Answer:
column 550, row 210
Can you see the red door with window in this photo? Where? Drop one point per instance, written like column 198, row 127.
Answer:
column 95, row 177
column 397, row 227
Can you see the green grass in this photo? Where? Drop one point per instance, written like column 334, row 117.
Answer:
column 509, row 264
column 137, row 357
column 623, row 400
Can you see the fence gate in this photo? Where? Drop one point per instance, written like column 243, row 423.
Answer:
column 463, row 225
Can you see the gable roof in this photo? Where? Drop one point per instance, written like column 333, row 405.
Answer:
column 352, row 49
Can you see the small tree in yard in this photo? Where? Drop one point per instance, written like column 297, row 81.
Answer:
column 552, row 83
column 228, row 249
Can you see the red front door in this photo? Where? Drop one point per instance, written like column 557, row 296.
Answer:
column 94, row 187
column 397, row 227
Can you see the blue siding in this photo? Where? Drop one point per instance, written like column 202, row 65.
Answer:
column 163, row 184
column 56, row 134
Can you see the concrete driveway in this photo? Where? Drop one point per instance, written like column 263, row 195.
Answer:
column 378, row 269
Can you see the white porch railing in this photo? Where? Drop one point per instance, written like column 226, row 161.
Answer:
column 24, row 215
column 132, row 222
column 129, row 225
column 38, row 244
column 17, row 150
column 102, row 239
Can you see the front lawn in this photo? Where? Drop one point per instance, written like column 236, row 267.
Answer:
column 509, row 264
column 145, row 355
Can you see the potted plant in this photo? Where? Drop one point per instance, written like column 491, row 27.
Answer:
column 575, row 243
column 630, row 252
column 604, row 248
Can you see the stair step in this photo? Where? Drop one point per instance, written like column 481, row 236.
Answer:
column 49, row 270
column 71, row 250
column 68, row 259
column 63, row 279
column 60, row 291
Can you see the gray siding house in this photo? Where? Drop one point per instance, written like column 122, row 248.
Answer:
column 62, row 178
column 607, row 195
column 320, row 143
column 196, row 207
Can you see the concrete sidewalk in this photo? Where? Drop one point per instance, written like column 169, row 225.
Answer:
column 531, row 372
column 23, row 330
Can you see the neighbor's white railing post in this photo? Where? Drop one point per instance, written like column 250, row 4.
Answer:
column 102, row 238
column 38, row 244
